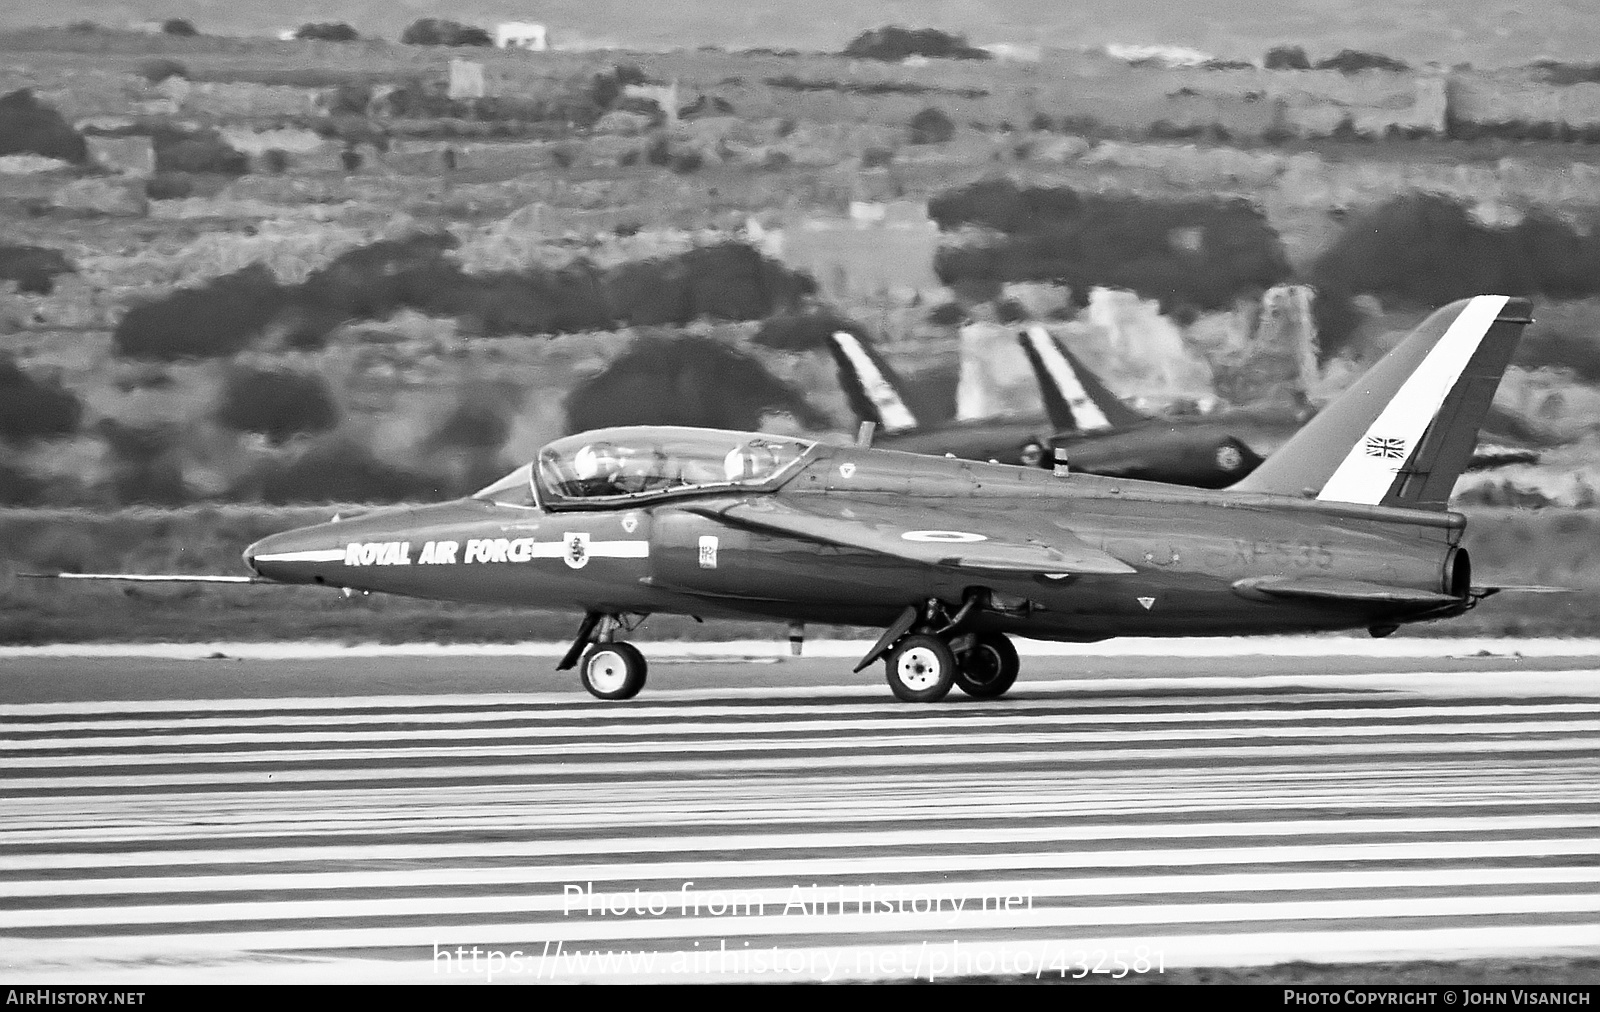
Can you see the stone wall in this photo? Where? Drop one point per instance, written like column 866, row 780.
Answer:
column 1514, row 99
column 1252, row 103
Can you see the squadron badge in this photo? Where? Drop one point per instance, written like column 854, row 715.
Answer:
column 577, row 550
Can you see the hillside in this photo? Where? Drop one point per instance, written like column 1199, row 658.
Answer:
column 1484, row 32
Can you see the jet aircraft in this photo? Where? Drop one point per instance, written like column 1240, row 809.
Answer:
column 1346, row 527
column 1096, row 430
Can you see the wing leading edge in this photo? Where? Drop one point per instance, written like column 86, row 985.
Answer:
column 948, row 536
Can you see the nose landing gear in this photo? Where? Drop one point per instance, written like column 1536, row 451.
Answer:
column 609, row 669
column 613, row 670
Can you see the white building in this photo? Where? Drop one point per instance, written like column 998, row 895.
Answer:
column 521, row 35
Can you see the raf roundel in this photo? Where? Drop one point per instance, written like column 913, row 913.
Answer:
column 952, row 537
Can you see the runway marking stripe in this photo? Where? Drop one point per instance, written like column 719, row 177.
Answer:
column 631, row 875
column 1583, row 681
column 661, row 818
column 405, row 727
column 1039, row 891
column 911, row 838
column 778, row 923
column 1457, row 820
column 597, row 929
column 141, row 960
column 26, row 762
column 1104, row 785
column 746, row 764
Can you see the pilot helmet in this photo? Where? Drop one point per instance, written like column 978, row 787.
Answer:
column 596, row 460
column 749, row 461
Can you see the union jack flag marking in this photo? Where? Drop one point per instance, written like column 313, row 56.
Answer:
column 1390, row 449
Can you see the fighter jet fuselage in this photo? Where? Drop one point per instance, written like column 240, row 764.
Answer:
column 1191, row 562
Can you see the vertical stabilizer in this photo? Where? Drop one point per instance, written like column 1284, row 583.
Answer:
column 1404, row 431
column 1074, row 397
column 868, row 383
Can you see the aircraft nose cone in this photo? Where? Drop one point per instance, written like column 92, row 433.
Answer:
column 293, row 557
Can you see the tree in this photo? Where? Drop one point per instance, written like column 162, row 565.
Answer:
column 1353, row 61
column 327, row 31
column 277, row 403
column 179, row 26
column 930, row 126
column 895, row 44
column 1287, row 58
column 437, row 32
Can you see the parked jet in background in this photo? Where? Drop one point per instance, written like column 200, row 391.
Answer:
column 874, row 394
column 1100, row 433
column 1096, row 431
column 1347, row 527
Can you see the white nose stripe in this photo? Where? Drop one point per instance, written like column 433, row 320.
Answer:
column 315, row 555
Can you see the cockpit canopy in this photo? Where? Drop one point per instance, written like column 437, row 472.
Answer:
column 624, row 464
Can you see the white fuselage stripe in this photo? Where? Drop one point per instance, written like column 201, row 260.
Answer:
column 1365, row 477
column 315, row 555
column 1085, row 411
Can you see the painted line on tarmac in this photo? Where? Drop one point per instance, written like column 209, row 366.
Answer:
column 745, row 651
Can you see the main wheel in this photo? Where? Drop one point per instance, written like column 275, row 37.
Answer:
column 989, row 668
column 613, row 670
column 921, row 669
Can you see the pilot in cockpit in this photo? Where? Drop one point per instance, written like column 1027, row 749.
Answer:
column 751, row 461
column 596, row 468
column 605, row 469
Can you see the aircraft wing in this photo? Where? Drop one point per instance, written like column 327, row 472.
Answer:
column 967, row 536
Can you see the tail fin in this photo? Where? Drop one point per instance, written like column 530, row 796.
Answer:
column 1074, row 397
column 1403, row 433
column 869, row 383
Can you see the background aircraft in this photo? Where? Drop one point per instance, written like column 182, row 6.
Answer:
column 1102, row 435
column 1347, row 527
column 1098, row 432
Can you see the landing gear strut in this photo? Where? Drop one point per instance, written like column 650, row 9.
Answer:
column 610, row 668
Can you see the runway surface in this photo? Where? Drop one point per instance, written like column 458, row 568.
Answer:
column 378, row 819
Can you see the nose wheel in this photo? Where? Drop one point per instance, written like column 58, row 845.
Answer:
column 613, row 670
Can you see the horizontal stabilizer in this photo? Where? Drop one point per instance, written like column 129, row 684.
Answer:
column 146, row 577
column 1519, row 589
column 974, row 537
column 1351, row 591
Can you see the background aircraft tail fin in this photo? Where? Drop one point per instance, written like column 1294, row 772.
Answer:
column 1074, row 397
column 870, row 385
column 1404, row 431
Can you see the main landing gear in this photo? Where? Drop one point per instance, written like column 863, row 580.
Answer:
column 925, row 655
column 608, row 668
